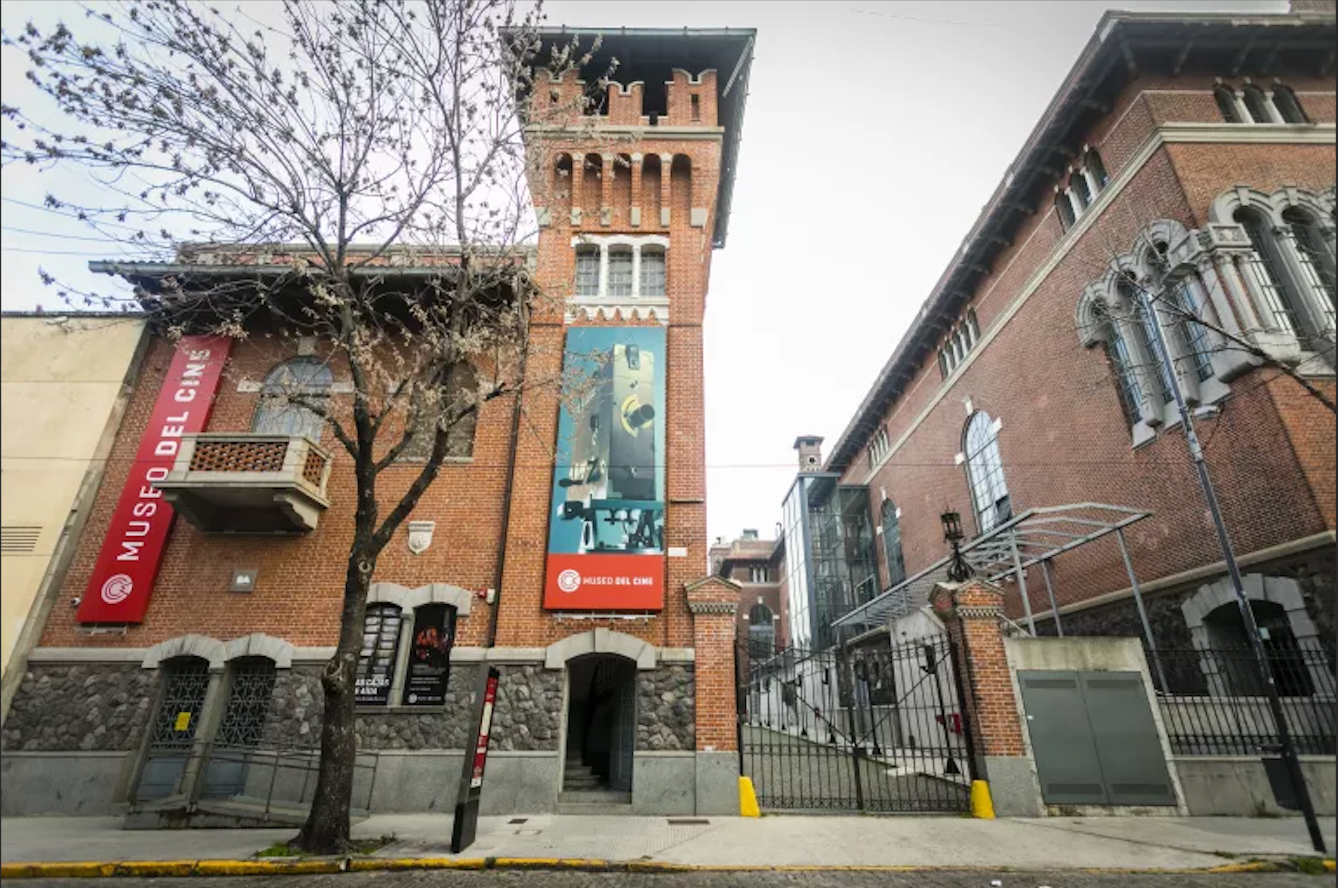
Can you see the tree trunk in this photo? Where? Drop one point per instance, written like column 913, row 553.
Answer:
column 327, row 828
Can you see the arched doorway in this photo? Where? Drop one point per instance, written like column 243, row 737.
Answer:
column 1225, row 629
column 601, row 724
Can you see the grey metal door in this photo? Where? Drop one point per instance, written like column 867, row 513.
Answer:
column 624, row 731
column 1094, row 739
column 174, row 725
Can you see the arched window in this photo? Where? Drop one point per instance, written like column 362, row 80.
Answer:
column 1256, row 103
column 1192, row 336
column 1316, row 258
column 1122, row 362
column 1226, row 103
column 1145, row 329
column 985, row 472
column 306, row 380
column 896, row 564
column 1264, row 270
column 1065, row 210
column 1288, row 106
column 1097, row 168
column 761, row 631
column 1078, row 185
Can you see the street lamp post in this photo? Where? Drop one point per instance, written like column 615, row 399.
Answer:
column 1228, row 554
column 959, row 570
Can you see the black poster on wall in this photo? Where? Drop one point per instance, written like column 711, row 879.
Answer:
column 430, row 655
column 380, row 650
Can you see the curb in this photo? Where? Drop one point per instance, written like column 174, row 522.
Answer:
column 204, row 868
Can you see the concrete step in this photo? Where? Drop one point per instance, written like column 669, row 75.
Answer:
column 587, row 784
column 594, row 797
column 595, row 809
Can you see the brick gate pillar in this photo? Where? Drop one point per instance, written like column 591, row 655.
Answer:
column 713, row 602
column 971, row 611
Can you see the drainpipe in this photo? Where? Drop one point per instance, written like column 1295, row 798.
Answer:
column 507, row 488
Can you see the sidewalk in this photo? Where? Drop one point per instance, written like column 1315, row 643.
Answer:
column 773, row 841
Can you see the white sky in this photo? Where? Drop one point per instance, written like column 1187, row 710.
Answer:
column 874, row 134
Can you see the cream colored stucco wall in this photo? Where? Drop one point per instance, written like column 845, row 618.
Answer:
column 60, row 378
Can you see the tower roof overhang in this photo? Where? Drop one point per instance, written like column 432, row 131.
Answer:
column 650, row 54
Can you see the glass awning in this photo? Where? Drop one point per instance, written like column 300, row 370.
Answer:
column 1033, row 537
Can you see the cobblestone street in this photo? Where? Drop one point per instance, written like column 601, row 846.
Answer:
column 837, row 879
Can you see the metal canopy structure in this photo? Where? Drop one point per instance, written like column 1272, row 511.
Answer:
column 1036, row 536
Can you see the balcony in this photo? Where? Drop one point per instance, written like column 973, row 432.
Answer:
column 248, row 483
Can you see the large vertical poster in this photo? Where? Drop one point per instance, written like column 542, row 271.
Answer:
column 606, row 531
column 430, row 655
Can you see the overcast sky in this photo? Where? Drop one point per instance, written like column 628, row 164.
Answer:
column 874, row 134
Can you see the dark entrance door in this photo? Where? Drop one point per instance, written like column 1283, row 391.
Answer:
column 185, row 683
column 601, row 724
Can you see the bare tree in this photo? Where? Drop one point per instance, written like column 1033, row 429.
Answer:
column 1192, row 325
column 370, row 157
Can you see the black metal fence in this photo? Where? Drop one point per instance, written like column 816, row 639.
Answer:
column 1222, row 707
column 870, row 729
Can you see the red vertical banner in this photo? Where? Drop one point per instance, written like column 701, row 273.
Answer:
column 122, row 581
column 485, row 727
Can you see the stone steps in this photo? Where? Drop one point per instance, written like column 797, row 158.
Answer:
column 606, row 801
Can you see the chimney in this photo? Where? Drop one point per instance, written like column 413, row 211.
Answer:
column 810, row 452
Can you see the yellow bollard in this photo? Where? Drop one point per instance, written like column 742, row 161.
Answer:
column 748, row 799
column 982, row 806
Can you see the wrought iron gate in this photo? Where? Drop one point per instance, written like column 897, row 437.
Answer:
column 185, row 683
column 876, row 728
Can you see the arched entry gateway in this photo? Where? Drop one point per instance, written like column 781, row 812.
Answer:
column 601, row 724
column 600, row 721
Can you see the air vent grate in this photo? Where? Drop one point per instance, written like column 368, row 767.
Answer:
column 19, row 540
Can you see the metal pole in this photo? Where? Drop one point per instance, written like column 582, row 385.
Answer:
column 1050, row 591
column 1142, row 612
column 1022, row 583
column 1238, row 585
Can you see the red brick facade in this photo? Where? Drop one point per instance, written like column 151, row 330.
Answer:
column 1064, row 439
column 300, row 580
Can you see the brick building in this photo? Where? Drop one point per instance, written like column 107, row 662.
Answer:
column 755, row 565
column 1192, row 157
column 622, row 701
